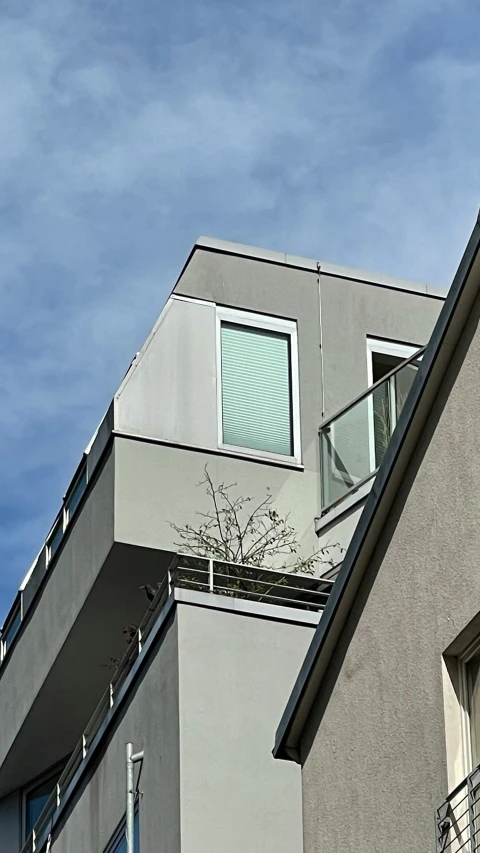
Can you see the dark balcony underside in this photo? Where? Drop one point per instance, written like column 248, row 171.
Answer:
column 84, row 665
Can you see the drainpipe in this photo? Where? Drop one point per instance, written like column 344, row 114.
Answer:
column 132, row 758
column 319, row 273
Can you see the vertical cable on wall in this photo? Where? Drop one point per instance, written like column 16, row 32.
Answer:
column 321, row 338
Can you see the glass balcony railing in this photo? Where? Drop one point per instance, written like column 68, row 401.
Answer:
column 354, row 441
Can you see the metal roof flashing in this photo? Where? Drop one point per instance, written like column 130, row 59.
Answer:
column 449, row 326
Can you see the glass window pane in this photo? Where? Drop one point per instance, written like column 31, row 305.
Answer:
column 11, row 629
column 55, row 538
column 346, row 451
column 256, row 389
column 76, row 494
column 403, row 382
column 353, row 444
column 36, row 800
column 119, row 843
column 473, row 682
column 382, row 425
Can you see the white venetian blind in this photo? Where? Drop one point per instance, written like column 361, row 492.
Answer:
column 256, row 392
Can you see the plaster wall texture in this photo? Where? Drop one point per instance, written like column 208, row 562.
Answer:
column 201, row 711
column 83, row 553
column 150, row 722
column 156, row 485
column 353, row 311
column 373, row 752
column 236, row 672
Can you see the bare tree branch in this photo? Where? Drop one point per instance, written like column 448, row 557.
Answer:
column 259, row 537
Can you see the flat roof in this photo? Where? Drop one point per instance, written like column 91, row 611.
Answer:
column 313, row 265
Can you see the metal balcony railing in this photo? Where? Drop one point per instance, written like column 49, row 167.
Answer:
column 16, row 615
column 193, row 573
column 457, row 820
column 353, row 442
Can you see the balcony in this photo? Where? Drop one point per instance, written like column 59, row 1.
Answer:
column 190, row 576
column 353, row 442
column 457, row 821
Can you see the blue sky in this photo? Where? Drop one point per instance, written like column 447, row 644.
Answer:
column 346, row 130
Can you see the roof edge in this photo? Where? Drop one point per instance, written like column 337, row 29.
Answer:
column 445, row 335
column 212, row 244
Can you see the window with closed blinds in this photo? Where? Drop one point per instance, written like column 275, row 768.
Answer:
column 256, row 389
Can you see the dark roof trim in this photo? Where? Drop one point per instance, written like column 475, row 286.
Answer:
column 455, row 312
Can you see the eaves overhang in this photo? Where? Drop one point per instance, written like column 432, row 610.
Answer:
column 449, row 326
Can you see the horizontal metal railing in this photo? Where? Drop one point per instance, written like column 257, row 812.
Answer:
column 354, row 440
column 252, row 583
column 186, row 572
column 70, row 505
column 457, row 821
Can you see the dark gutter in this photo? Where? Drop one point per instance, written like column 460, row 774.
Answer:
column 451, row 321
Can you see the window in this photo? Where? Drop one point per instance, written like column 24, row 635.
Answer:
column 388, row 399
column 258, row 388
column 35, row 799
column 469, row 703
column 10, row 629
column 118, row 843
column 76, row 494
column 55, row 538
column 472, row 672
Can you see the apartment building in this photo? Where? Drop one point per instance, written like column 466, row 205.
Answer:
column 253, row 354
column 384, row 715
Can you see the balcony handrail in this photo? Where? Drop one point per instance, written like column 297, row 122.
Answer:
column 355, row 488
column 205, row 566
column 457, row 820
column 371, row 388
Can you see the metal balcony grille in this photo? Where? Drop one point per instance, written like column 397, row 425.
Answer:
column 186, row 572
column 458, row 818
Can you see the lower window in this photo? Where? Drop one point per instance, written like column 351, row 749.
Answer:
column 118, row 843
column 35, row 797
column 472, row 673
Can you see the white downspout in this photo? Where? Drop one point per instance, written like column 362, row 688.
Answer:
column 132, row 759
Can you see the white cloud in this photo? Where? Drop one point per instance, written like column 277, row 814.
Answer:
column 346, row 132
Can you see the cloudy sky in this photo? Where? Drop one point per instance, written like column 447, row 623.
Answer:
column 346, row 130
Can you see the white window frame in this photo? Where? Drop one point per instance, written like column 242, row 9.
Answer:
column 471, row 651
column 269, row 324
column 403, row 351
column 377, row 345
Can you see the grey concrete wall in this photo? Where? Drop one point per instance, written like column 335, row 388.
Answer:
column 236, row 672
column 350, row 311
column 171, row 392
column 84, row 551
column 251, row 285
column 202, row 713
column 150, row 722
column 156, row 485
column 374, row 753
column 10, row 823
column 353, row 311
